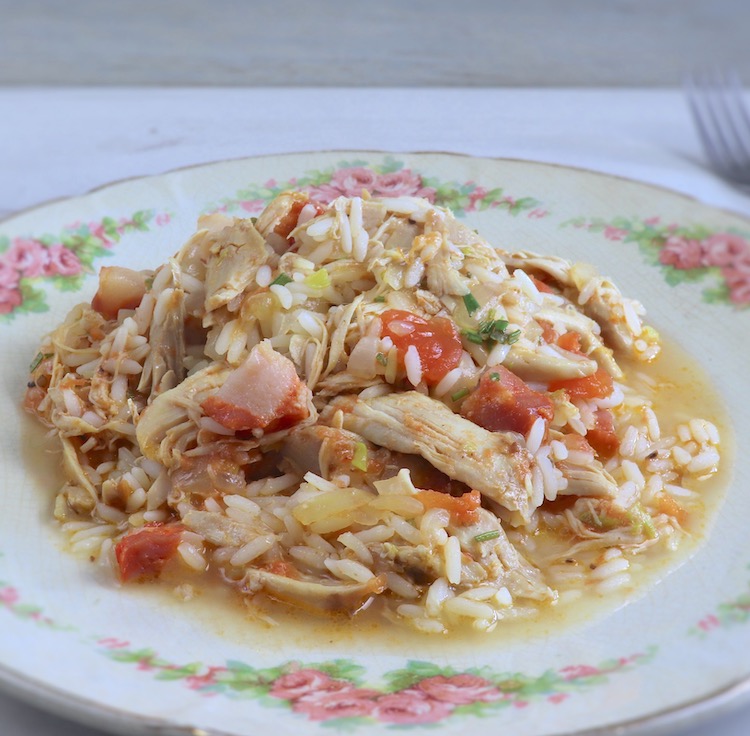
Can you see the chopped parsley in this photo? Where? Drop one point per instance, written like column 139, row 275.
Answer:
column 492, row 331
column 380, row 357
column 379, row 299
column 486, row 536
column 494, row 376
column 281, row 280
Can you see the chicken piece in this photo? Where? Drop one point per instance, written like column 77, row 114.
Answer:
column 166, row 428
column 503, row 402
column 222, row 531
column 587, row 480
column 503, row 563
column 494, row 463
column 165, row 367
column 264, row 393
column 314, row 595
column 537, row 365
column 325, row 451
column 588, row 332
column 236, row 255
column 603, row 303
column 119, row 288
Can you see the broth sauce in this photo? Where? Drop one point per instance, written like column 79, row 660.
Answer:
column 210, row 605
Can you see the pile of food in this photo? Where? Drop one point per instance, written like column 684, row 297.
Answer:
column 366, row 404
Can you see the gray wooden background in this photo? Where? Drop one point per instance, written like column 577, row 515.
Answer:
column 369, row 43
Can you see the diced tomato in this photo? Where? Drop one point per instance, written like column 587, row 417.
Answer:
column 602, row 436
column 570, row 341
column 462, row 508
column 263, row 393
column 503, row 402
column 436, row 341
column 667, row 505
column 596, row 386
column 144, row 553
column 289, row 221
column 541, row 285
column 549, row 334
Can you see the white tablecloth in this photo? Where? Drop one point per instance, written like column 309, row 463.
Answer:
column 63, row 142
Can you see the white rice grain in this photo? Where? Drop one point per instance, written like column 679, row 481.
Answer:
column 413, row 365
column 264, row 275
column 282, row 294
column 350, row 570
column 452, row 558
column 192, row 556
column 447, row 382
column 355, row 544
column 252, row 550
column 536, row 435
column 611, row 567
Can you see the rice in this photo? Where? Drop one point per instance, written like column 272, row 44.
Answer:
column 360, row 465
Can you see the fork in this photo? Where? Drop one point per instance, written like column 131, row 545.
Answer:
column 722, row 122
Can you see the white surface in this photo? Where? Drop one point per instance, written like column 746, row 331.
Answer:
column 389, row 42
column 59, row 143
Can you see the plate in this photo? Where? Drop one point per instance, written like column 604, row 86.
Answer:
column 139, row 661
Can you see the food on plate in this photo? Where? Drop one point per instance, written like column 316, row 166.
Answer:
column 366, row 404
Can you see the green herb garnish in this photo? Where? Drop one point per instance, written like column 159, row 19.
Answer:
column 282, row 280
column 470, row 303
column 492, row 331
column 460, row 394
column 494, row 376
column 486, row 536
column 38, row 358
column 381, row 359
column 379, row 299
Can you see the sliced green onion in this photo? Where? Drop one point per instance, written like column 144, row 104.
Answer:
column 511, row 337
column 473, row 336
column 471, row 303
column 282, row 280
column 359, row 461
column 319, row 279
column 460, row 394
column 379, row 299
column 38, row 358
column 381, row 359
column 486, row 536
column 494, row 376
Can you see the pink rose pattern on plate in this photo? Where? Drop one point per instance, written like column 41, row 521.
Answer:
column 387, row 179
column 334, row 692
column 685, row 253
column 61, row 260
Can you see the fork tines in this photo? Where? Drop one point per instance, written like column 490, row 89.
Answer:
column 722, row 120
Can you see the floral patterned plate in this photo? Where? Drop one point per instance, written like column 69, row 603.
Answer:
column 139, row 661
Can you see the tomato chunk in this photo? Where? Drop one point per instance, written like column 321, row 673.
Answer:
column 436, row 341
column 144, row 553
column 602, row 436
column 570, row 341
column 596, row 386
column 462, row 508
column 503, row 402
